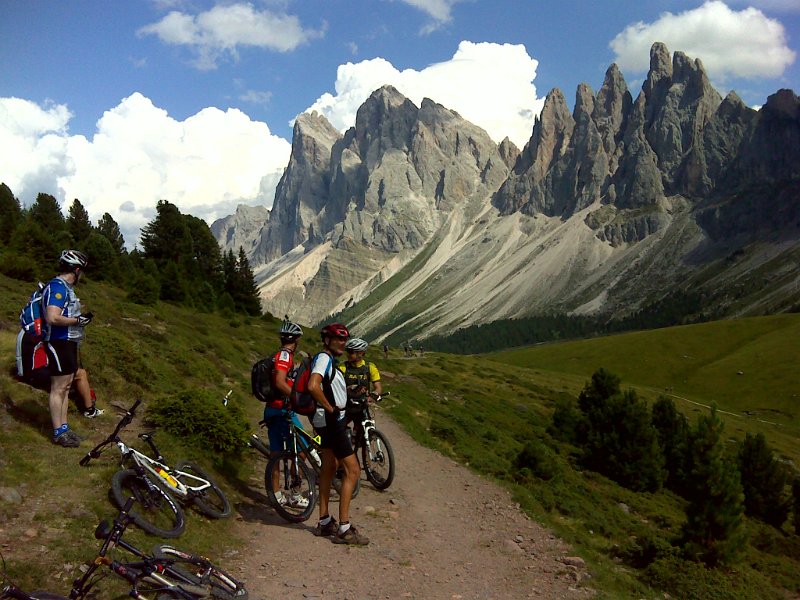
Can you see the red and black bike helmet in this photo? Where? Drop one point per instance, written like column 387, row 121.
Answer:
column 335, row 330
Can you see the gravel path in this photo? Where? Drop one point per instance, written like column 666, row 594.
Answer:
column 439, row 531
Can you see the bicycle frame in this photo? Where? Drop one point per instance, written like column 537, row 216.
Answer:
column 155, row 467
column 181, row 483
column 158, row 573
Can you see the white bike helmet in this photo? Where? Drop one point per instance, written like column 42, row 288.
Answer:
column 356, row 345
column 290, row 331
column 73, row 259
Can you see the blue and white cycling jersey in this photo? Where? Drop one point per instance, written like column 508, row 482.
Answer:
column 61, row 294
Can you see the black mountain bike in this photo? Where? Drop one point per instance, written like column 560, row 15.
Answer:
column 165, row 574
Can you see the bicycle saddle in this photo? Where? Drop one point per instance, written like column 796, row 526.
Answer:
column 103, row 530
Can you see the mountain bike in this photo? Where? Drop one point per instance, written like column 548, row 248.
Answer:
column 167, row 573
column 376, row 455
column 149, row 480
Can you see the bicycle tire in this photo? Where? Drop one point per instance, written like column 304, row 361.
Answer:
column 156, row 512
column 220, row 583
column 380, row 472
column 336, row 483
column 212, row 501
column 302, row 485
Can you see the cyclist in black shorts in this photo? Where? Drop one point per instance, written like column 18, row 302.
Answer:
column 64, row 331
column 326, row 384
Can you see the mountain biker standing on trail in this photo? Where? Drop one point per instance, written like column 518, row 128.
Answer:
column 326, row 384
column 275, row 410
column 65, row 324
column 358, row 376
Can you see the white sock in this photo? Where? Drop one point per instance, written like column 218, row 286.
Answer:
column 344, row 527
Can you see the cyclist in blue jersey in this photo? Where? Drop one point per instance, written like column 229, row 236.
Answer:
column 64, row 332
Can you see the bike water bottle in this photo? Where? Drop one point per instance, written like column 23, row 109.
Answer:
column 315, row 455
column 170, row 479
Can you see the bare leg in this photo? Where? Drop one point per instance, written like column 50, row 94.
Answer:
column 352, row 471
column 81, row 383
column 325, row 479
column 59, row 388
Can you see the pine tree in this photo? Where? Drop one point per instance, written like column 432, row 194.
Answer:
column 167, row 239
column 673, row 437
column 109, row 229
column 47, row 214
column 249, row 301
column 78, row 224
column 714, row 530
column 10, row 213
column 764, row 481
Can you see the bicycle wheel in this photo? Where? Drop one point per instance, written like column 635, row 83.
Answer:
column 378, row 460
column 212, row 502
column 155, row 511
column 336, row 483
column 296, row 495
column 202, row 572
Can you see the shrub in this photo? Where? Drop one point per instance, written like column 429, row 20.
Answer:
column 566, row 421
column 536, row 459
column 199, row 417
column 144, row 289
column 444, row 432
column 18, row 266
column 643, row 550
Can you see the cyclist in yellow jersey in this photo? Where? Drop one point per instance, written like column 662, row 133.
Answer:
column 359, row 376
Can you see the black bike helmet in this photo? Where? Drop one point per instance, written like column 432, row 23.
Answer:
column 335, row 330
column 73, row 259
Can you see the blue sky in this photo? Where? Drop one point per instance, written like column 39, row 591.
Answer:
column 121, row 103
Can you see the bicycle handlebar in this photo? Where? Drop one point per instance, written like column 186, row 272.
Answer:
column 124, row 422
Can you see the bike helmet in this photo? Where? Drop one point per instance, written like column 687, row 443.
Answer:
column 356, row 345
column 335, row 330
column 290, row 331
column 73, row 259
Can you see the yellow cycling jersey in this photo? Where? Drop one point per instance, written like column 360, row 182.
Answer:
column 358, row 370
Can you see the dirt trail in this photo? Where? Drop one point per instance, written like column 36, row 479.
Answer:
column 439, row 531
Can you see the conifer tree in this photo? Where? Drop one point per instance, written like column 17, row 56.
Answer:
column 714, row 530
column 78, row 223
column 764, row 481
column 249, row 300
column 11, row 213
column 673, row 437
column 47, row 214
column 109, row 229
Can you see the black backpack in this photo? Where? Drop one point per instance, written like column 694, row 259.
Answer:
column 261, row 379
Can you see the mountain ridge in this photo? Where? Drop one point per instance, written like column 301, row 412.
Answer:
column 607, row 208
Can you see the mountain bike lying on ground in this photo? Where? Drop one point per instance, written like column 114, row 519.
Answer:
column 376, row 456
column 152, row 482
column 167, row 573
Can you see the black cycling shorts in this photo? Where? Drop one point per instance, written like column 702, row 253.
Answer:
column 62, row 357
column 334, row 435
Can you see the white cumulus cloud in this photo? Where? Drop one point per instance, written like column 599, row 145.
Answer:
column 205, row 165
column 730, row 43
column 218, row 32
column 488, row 84
column 438, row 10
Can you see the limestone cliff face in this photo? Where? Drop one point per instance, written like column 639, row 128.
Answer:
column 241, row 229
column 381, row 190
column 608, row 206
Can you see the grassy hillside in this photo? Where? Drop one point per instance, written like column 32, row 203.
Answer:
column 481, row 410
column 748, row 367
